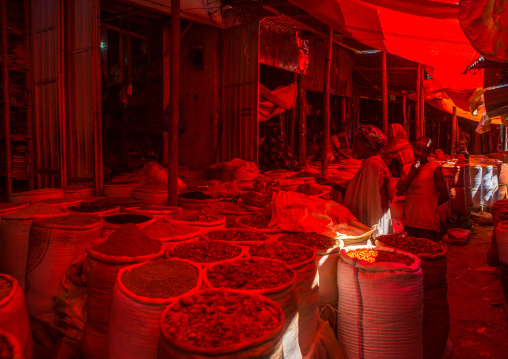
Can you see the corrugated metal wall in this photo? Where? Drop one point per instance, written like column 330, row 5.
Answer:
column 240, row 54
column 82, row 95
column 341, row 75
column 47, row 84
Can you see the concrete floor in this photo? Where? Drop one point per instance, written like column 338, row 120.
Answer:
column 477, row 303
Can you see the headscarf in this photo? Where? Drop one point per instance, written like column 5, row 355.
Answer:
column 397, row 132
column 372, row 137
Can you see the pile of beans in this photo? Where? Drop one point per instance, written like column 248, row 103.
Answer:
column 169, row 229
column 411, row 244
column 238, row 235
column 188, row 215
column 163, row 278
column 91, row 207
column 5, row 348
column 226, row 206
column 210, row 320
column 129, row 241
column 205, row 251
column 375, row 256
column 310, row 239
column 249, row 274
column 286, row 252
column 5, row 288
column 255, row 221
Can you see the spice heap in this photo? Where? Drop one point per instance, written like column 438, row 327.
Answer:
column 286, row 252
column 211, row 320
column 201, row 215
column 194, row 195
column 126, row 218
column 411, row 244
column 237, row 235
column 91, row 207
column 71, row 220
column 375, row 256
column 5, row 288
column 5, row 348
column 249, row 274
column 310, row 239
column 303, row 174
column 36, row 208
column 226, row 206
column 169, row 229
column 255, row 221
column 163, row 278
column 205, row 251
column 129, row 241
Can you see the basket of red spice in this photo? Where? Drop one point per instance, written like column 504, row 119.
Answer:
column 230, row 210
column 172, row 231
column 105, row 257
column 142, row 291
column 235, row 235
column 205, row 252
column 113, row 221
column 205, row 219
column 96, row 207
column 272, row 278
column 9, row 346
column 256, row 223
column 221, row 323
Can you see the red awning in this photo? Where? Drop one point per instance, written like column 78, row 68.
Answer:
column 423, row 31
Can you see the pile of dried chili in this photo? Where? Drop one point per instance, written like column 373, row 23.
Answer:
column 375, row 256
column 91, row 207
column 255, row 221
column 211, row 320
column 249, row 274
column 189, row 215
column 411, row 244
column 205, row 251
column 163, row 278
column 286, row 252
column 169, row 229
column 238, row 235
column 310, row 239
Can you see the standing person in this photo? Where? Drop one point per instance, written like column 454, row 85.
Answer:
column 398, row 152
column 424, row 186
column 369, row 192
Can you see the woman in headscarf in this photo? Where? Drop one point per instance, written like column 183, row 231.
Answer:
column 275, row 153
column 372, row 188
column 398, row 151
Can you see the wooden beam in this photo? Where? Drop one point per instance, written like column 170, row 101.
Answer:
column 454, row 132
column 418, row 101
column 404, row 114
column 302, row 122
column 174, row 100
column 291, row 120
column 326, row 105
column 385, row 93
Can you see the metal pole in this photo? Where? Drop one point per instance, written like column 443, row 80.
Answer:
column 174, row 91
column 302, row 122
column 422, row 101
column 454, row 131
column 326, row 105
column 404, row 114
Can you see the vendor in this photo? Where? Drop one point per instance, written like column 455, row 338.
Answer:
column 275, row 153
column 398, row 152
column 425, row 189
column 462, row 149
column 369, row 192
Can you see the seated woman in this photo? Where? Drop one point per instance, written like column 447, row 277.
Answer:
column 275, row 153
column 369, row 192
column 398, row 152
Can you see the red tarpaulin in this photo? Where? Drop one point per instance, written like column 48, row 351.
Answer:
column 426, row 32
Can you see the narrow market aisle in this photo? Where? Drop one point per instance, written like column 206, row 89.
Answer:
column 478, row 327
